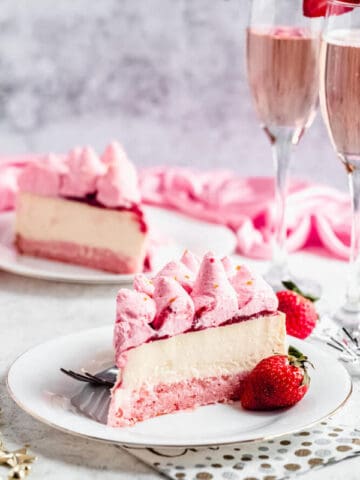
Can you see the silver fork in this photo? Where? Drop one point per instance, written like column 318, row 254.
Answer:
column 94, row 399
column 105, row 378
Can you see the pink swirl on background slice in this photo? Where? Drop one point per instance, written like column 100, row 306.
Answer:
column 43, row 176
column 119, row 186
column 84, row 169
column 174, row 307
column 81, row 173
column 214, row 297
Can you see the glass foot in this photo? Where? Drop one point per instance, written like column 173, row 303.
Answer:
column 349, row 317
column 277, row 274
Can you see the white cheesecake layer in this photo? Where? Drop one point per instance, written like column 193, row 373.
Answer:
column 60, row 220
column 206, row 353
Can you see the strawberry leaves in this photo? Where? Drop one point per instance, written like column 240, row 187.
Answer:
column 290, row 285
column 299, row 360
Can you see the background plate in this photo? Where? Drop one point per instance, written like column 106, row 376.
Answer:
column 181, row 232
column 39, row 388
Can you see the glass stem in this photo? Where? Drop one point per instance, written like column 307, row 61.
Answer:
column 281, row 154
column 353, row 288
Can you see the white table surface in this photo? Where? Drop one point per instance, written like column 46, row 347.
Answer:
column 32, row 311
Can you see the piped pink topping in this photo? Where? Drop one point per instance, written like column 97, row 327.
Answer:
column 262, row 298
column 84, row 169
column 228, row 266
column 119, row 185
column 174, row 307
column 143, row 284
column 214, row 298
column 179, row 272
column 243, row 282
column 43, row 177
column 191, row 261
column 220, row 292
column 81, row 173
column 134, row 313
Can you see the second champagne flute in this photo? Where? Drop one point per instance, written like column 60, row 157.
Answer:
column 340, row 102
column 283, row 61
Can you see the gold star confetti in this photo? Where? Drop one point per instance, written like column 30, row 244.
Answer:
column 7, row 459
column 17, row 460
column 19, row 472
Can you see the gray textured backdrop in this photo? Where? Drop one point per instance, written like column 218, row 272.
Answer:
column 166, row 77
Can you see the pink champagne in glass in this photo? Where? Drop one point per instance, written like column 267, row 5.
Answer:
column 283, row 77
column 283, row 71
column 340, row 91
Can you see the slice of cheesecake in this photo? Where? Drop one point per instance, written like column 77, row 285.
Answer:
column 189, row 336
column 84, row 210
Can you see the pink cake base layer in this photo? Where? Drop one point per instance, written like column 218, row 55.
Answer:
column 68, row 252
column 149, row 402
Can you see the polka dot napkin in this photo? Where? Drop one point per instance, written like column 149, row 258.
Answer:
column 322, row 445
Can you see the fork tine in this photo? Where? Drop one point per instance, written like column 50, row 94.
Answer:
column 335, row 346
column 75, row 375
column 353, row 339
column 79, row 376
column 349, row 350
column 99, row 380
column 87, row 377
column 339, row 344
column 94, row 379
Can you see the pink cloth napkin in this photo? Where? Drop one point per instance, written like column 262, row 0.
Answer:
column 318, row 217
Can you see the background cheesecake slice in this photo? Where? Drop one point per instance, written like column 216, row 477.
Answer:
column 189, row 336
column 84, row 210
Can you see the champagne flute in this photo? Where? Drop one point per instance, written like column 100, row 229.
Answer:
column 340, row 105
column 282, row 62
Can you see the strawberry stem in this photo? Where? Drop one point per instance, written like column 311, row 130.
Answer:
column 290, row 285
column 299, row 360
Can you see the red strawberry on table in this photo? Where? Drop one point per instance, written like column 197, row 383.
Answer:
column 300, row 311
column 276, row 382
column 317, row 8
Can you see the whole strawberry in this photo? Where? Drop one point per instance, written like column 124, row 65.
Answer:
column 276, row 382
column 301, row 315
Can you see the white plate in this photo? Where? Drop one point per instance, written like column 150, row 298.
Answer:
column 39, row 388
column 183, row 231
